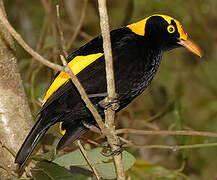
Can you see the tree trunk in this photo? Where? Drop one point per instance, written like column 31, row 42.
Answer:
column 15, row 115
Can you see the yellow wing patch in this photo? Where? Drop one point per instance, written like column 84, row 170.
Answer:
column 76, row 65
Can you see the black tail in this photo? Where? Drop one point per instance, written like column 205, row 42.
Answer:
column 31, row 141
column 71, row 135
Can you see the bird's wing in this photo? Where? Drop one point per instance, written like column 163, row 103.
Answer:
column 86, row 63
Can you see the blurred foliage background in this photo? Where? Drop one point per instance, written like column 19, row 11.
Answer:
column 182, row 96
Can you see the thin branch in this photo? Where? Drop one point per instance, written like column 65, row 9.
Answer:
column 8, row 170
column 173, row 148
column 165, row 132
column 110, row 112
column 88, row 161
column 10, row 150
column 26, row 46
column 63, row 44
column 107, row 48
column 13, row 153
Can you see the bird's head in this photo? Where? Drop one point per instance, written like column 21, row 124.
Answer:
column 162, row 31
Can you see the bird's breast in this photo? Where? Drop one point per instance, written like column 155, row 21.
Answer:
column 132, row 80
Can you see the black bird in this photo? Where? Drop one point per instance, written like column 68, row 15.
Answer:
column 137, row 51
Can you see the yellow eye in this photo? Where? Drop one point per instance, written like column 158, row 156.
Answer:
column 171, row 29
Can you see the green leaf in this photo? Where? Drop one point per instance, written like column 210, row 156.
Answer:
column 45, row 170
column 103, row 164
column 49, row 156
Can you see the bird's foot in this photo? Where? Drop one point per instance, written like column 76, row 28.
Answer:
column 91, row 127
column 97, row 95
column 107, row 149
column 109, row 102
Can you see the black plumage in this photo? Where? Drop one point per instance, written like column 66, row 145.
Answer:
column 136, row 60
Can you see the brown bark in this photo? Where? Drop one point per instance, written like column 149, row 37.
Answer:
column 113, row 140
column 15, row 115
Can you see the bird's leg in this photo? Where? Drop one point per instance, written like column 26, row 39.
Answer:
column 107, row 148
column 97, row 95
column 92, row 127
column 107, row 102
column 110, row 102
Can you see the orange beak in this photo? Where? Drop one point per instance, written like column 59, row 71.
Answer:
column 191, row 46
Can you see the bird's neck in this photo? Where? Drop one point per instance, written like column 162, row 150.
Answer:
column 144, row 70
column 151, row 61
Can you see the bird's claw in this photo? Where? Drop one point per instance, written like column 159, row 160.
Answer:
column 91, row 127
column 108, row 152
column 112, row 153
column 97, row 95
column 109, row 102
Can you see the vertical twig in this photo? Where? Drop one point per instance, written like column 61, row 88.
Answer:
column 110, row 113
column 107, row 48
column 9, row 149
column 63, row 44
column 84, row 153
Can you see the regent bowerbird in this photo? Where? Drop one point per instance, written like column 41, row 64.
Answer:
column 137, row 51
